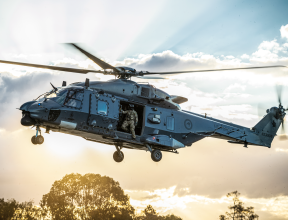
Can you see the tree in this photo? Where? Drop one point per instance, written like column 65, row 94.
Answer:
column 14, row 210
column 90, row 196
column 237, row 210
column 149, row 213
column 171, row 217
column 7, row 209
column 86, row 197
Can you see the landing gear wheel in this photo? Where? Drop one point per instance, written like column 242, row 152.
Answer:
column 118, row 158
column 40, row 139
column 33, row 140
column 156, row 155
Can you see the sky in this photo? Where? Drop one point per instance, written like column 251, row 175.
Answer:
column 153, row 36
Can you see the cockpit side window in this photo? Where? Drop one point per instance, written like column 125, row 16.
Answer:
column 74, row 98
column 61, row 96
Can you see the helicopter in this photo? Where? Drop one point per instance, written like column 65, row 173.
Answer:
column 94, row 110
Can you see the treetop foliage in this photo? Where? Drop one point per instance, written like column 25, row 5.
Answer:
column 85, row 197
column 237, row 210
column 13, row 210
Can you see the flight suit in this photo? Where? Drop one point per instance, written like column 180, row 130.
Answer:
column 130, row 120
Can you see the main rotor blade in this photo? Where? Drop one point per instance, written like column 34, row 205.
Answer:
column 195, row 71
column 75, row 70
column 96, row 60
column 150, row 77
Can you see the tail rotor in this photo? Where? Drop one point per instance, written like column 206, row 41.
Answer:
column 281, row 112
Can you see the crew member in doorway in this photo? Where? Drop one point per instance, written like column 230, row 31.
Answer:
column 130, row 120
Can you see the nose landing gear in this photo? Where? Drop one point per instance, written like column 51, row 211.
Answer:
column 37, row 139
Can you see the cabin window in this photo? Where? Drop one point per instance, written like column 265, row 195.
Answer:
column 170, row 123
column 74, row 98
column 102, row 107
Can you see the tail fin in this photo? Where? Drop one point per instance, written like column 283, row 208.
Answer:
column 267, row 128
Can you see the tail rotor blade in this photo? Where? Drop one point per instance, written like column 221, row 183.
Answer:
column 283, row 136
column 279, row 93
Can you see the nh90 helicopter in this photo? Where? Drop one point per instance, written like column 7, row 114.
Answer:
column 94, row 111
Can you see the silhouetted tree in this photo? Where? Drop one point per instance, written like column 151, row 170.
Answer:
column 86, row 197
column 7, row 209
column 237, row 210
column 15, row 210
column 171, row 217
column 149, row 213
column 91, row 196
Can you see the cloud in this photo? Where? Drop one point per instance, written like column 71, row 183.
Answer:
column 245, row 56
column 202, row 174
column 270, row 45
column 284, row 31
column 170, row 199
column 166, row 199
column 168, row 60
column 269, row 51
column 281, row 150
column 235, row 86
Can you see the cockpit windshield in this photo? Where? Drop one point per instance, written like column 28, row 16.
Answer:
column 67, row 97
column 58, row 96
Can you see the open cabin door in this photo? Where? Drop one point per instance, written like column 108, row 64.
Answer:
column 104, row 111
column 140, row 112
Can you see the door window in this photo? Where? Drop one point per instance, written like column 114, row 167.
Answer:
column 102, row 107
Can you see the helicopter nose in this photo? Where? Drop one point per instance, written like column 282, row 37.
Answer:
column 26, row 105
column 26, row 120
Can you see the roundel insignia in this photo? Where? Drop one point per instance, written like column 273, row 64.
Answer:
column 188, row 124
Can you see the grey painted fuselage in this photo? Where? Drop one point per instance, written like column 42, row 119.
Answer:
column 96, row 116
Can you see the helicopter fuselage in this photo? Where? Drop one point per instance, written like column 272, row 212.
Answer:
column 94, row 113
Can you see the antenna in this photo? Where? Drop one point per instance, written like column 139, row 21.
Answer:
column 54, row 87
column 87, row 83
